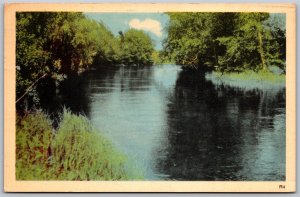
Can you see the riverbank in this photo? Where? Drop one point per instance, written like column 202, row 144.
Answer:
column 73, row 151
column 248, row 79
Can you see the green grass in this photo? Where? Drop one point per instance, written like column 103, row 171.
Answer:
column 248, row 80
column 34, row 135
column 75, row 151
column 248, row 75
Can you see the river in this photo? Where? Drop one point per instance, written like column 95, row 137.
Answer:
column 175, row 124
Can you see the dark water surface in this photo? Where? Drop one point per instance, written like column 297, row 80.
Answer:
column 177, row 125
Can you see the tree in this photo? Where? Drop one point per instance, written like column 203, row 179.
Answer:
column 257, row 43
column 108, row 49
column 228, row 42
column 137, row 48
column 245, row 48
column 75, row 41
column 276, row 55
column 57, row 43
column 188, row 38
column 192, row 38
column 31, row 58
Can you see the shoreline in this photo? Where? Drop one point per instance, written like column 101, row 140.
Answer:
column 248, row 80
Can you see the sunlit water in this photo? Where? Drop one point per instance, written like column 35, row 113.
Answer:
column 178, row 125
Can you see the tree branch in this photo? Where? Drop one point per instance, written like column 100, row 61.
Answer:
column 28, row 89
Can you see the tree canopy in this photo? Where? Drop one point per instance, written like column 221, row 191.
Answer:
column 136, row 47
column 225, row 41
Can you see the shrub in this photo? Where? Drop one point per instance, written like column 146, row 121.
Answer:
column 81, row 153
column 76, row 151
column 33, row 141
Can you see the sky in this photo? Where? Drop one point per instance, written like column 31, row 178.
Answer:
column 152, row 23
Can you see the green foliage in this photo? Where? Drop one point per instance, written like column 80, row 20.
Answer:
column 245, row 48
column 277, row 41
column 55, row 43
column 136, row 48
column 76, row 152
column 227, row 42
column 155, row 57
column 84, row 154
column 31, row 58
column 33, row 141
column 192, row 37
column 251, row 76
column 59, row 42
column 74, row 41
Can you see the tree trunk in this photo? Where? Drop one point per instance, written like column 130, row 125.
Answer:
column 216, row 55
column 261, row 51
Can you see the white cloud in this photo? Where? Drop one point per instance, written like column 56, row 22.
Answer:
column 148, row 24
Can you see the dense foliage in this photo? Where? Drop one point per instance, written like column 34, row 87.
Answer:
column 75, row 151
column 59, row 44
column 136, row 47
column 225, row 41
column 33, row 140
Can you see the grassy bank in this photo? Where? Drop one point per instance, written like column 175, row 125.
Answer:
column 248, row 75
column 74, row 151
column 248, row 79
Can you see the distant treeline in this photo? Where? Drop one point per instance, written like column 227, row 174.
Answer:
column 227, row 42
column 57, row 44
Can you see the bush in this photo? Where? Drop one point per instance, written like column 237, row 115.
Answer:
column 81, row 153
column 75, row 152
column 33, row 141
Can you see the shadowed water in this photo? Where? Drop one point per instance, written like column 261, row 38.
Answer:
column 178, row 125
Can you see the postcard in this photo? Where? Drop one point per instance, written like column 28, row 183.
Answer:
column 161, row 97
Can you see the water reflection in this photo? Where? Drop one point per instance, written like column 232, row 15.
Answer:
column 177, row 125
column 131, row 113
column 71, row 94
column 221, row 133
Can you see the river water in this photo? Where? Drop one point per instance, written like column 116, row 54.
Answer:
column 178, row 125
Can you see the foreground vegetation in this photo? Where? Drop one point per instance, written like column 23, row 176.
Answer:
column 73, row 151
